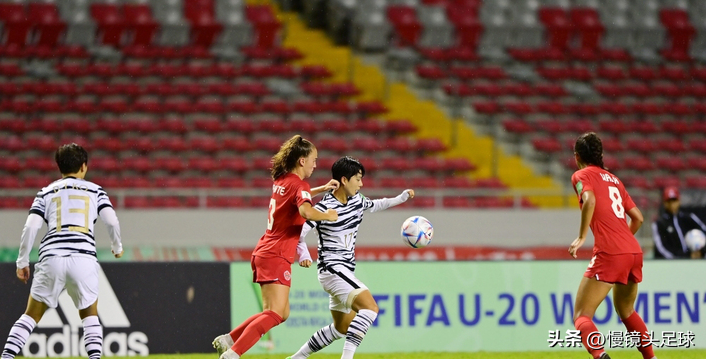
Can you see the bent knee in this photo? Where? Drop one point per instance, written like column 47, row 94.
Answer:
column 374, row 308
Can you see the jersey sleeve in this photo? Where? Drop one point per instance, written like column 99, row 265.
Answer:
column 367, row 202
column 581, row 183
column 102, row 200
column 38, row 206
column 303, row 194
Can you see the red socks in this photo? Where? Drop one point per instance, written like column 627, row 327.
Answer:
column 238, row 331
column 585, row 325
column 634, row 323
column 254, row 328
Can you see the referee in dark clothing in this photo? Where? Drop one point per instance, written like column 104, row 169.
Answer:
column 671, row 226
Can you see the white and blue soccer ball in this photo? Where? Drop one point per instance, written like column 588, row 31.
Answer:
column 417, row 232
column 695, row 240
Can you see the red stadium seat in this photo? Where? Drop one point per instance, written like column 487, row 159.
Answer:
column 138, row 164
column 457, row 202
column 425, row 182
column 226, row 202
column 11, row 165
column 671, row 163
column 204, row 164
column 638, row 163
column 393, row 182
column 458, row 182
column 333, row 144
column 547, row 145
column 230, row 182
column 398, row 164
column 169, row 164
column 235, row 164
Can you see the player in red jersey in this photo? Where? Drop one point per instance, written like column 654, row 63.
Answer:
column 617, row 257
column 290, row 207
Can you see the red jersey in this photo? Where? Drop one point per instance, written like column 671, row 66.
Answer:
column 609, row 223
column 284, row 223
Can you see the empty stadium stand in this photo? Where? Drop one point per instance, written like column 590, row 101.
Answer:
column 190, row 95
column 536, row 73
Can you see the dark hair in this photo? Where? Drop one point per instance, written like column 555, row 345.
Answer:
column 70, row 158
column 346, row 167
column 291, row 151
column 590, row 149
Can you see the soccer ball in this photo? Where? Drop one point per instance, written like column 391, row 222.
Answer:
column 695, row 240
column 417, row 232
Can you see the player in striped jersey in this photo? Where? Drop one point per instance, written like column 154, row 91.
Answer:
column 336, row 266
column 67, row 253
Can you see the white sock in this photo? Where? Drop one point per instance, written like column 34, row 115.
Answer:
column 17, row 338
column 229, row 339
column 230, row 354
column 93, row 337
column 356, row 331
column 321, row 339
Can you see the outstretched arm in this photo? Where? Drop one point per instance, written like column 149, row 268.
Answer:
column 385, row 203
column 29, row 233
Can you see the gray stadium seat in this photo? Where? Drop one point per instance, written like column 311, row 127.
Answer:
column 167, row 10
column 675, row 4
column 225, row 7
column 555, row 3
column 527, row 34
column 437, row 30
column 69, row 8
column 585, row 3
column 492, row 9
column 174, row 33
column 497, row 36
column 618, row 34
column 371, row 31
column 613, row 9
column 369, row 6
column 80, row 30
column 643, row 8
column 237, row 32
column 698, row 45
column 412, row 3
column 524, row 9
column 648, row 39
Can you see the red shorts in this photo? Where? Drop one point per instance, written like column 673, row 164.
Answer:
column 615, row 268
column 271, row 270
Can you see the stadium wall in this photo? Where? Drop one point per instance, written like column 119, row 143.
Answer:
column 242, row 228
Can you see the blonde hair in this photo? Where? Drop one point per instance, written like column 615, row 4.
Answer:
column 289, row 154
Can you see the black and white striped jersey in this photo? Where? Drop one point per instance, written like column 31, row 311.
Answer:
column 70, row 208
column 336, row 240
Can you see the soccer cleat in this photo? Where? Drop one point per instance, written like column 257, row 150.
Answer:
column 229, row 354
column 222, row 343
column 605, row 356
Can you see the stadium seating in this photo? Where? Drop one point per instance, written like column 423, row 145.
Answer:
column 545, row 71
column 162, row 101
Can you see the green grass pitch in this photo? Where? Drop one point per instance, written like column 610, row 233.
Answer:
column 557, row 354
